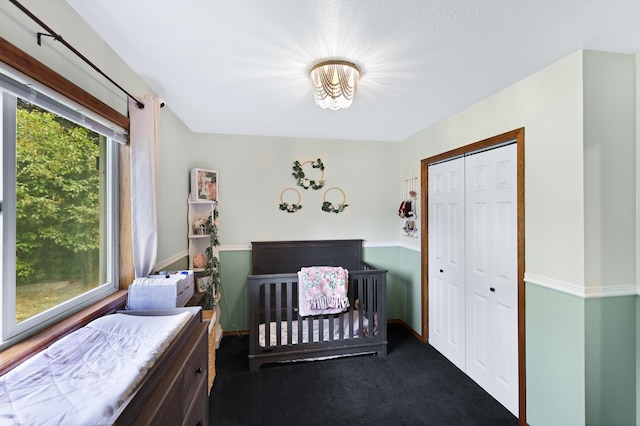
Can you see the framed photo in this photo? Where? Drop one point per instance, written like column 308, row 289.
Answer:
column 203, row 283
column 204, row 185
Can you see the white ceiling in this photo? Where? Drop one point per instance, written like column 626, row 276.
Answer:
column 241, row 67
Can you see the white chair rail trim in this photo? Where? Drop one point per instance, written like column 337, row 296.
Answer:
column 581, row 291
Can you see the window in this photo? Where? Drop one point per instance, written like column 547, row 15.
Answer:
column 59, row 207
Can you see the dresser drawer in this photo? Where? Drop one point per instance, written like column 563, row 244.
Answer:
column 196, row 367
column 170, row 411
column 198, row 413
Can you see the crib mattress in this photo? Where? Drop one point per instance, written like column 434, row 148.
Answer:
column 305, row 331
column 83, row 378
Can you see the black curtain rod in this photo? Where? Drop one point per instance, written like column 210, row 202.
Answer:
column 59, row 38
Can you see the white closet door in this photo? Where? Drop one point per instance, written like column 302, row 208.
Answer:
column 446, row 260
column 491, row 273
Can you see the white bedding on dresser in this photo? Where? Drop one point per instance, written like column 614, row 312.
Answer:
column 83, row 378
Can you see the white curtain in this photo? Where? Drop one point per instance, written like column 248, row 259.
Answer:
column 144, row 159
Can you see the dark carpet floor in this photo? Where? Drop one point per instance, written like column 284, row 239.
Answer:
column 413, row 385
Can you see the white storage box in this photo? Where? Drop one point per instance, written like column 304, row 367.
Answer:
column 172, row 290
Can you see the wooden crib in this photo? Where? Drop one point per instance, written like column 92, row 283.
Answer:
column 278, row 334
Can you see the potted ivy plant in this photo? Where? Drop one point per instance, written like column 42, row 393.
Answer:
column 212, row 269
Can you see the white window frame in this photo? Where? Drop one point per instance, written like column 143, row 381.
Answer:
column 12, row 86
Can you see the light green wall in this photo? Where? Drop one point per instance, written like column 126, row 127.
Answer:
column 236, row 266
column 555, row 342
column 585, row 349
column 403, row 282
column 610, row 325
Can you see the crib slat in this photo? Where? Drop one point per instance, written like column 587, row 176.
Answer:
column 289, row 292
column 310, row 321
column 332, row 327
column 300, row 325
column 349, row 331
column 267, row 315
column 254, row 299
column 278, row 300
column 368, row 312
column 346, row 328
column 373, row 306
column 361, row 308
column 321, row 327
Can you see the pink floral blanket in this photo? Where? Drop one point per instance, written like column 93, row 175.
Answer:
column 322, row 290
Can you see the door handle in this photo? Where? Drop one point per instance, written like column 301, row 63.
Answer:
column 492, row 289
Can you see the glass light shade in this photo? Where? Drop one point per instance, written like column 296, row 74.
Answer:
column 334, row 83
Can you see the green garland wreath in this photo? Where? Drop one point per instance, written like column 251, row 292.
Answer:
column 305, row 182
column 290, row 207
column 329, row 207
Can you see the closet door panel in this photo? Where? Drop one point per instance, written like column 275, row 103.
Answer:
column 479, row 321
column 456, row 314
column 504, row 279
column 447, row 260
column 478, row 253
column 504, row 351
column 439, row 317
column 478, row 272
column 491, row 225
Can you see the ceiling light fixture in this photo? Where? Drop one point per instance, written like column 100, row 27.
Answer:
column 334, row 83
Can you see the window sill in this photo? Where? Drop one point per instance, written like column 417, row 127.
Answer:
column 23, row 350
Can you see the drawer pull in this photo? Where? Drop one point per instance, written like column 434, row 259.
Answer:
column 199, row 370
column 199, row 423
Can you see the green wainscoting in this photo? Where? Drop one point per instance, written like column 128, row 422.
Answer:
column 610, row 360
column 236, row 266
column 555, row 343
column 403, row 285
column 581, row 358
column 403, row 282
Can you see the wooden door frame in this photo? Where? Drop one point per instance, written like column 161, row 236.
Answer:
column 518, row 136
